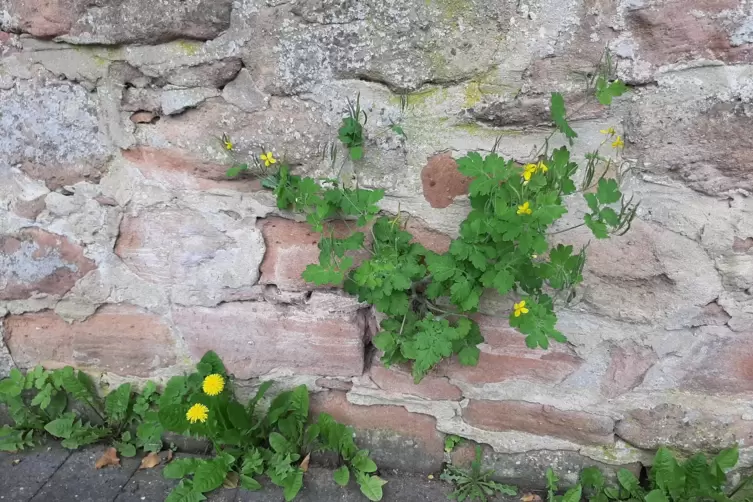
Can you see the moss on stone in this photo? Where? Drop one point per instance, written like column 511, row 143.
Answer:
column 478, row 130
column 190, row 48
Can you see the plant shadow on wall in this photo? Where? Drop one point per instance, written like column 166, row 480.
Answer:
column 429, row 298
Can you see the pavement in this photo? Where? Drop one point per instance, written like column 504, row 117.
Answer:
column 51, row 473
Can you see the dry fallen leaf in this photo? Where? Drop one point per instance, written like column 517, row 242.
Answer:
column 150, row 461
column 305, row 463
column 231, row 480
column 530, row 497
column 109, row 457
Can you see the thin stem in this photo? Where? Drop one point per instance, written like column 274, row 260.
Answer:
column 434, row 307
column 566, row 229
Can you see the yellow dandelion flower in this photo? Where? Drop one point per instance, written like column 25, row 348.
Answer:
column 520, row 308
column 197, row 413
column 608, row 132
column 268, row 159
column 618, row 143
column 213, row 384
column 542, row 167
column 524, row 209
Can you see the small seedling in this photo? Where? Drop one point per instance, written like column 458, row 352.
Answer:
column 351, row 131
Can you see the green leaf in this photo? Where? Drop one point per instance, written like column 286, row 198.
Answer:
column 608, row 191
column 320, row 275
column 598, row 228
column 609, row 216
column 629, row 482
column 238, row 416
column 593, row 202
column 43, row 397
column 656, row 496
column 173, row 418
column 606, row 91
column 356, row 152
column 573, row 494
column 209, row 475
column 13, row 385
column 293, row 485
column 398, row 130
column 61, row 427
column 442, row 267
column 13, row 440
column 727, row 458
column 211, row 363
column 58, row 404
column 249, row 483
column 181, row 467
column 468, row 356
column 558, row 116
column 278, row 443
column 125, row 449
column 184, row 492
column 263, row 388
column 591, row 477
column 371, row 486
column 149, row 433
column 236, row 170
column 363, row 463
column 116, row 403
column 342, row 475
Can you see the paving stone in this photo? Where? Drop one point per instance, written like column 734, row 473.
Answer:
column 23, row 474
column 77, row 479
column 151, row 485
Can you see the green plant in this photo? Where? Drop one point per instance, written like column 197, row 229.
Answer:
column 451, row 441
column 427, row 297
column 695, row 479
column 474, row 484
column 248, row 443
column 44, row 401
column 351, row 131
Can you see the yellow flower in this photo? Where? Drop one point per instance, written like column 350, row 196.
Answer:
column 268, row 159
column 608, row 132
column 524, row 209
column 213, row 384
column 528, row 171
column 542, row 167
column 618, row 143
column 197, row 413
column 520, row 308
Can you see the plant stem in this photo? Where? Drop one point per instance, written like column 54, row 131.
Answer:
column 566, row 229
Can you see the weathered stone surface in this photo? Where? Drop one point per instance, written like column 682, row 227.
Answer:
column 722, row 364
column 529, row 469
column 258, row 337
column 51, row 131
column 176, row 101
column 120, row 339
column 669, row 31
column 627, row 366
column 505, row 357
column 289, row 125
column 291, row 246
column 242, row 92
column 143, row 117
column 687, row 430
column 214, row 74
column 428, row 237
column 117, row 21
column 396, row 438
column 402, row 44
column 35, row 261
column 398, row 380
column 195, row 255
column 703, row 146
column 577, row 426
column 645, row 275
column 442, row 181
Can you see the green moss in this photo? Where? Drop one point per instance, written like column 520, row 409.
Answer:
column 189, row 48
column 453, row 9
column 473, row 94
column 477, row 130
column 417, row 98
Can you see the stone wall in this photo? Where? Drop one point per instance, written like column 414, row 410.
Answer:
column 125, row 251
